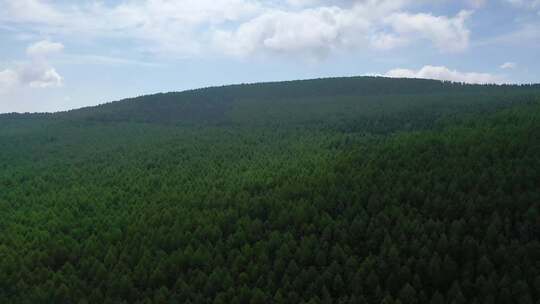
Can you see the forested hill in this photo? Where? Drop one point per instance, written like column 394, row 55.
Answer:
column 346, row 190
column 305, row 101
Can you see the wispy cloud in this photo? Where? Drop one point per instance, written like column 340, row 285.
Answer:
column 44, row 48
column 444, row 73
column 527, row 4
column 508, row 65
column 88, row 59
column 528, row 34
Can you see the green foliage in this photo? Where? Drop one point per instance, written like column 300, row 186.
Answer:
column 356, row 190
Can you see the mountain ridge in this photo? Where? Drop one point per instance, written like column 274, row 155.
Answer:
column 275, row 84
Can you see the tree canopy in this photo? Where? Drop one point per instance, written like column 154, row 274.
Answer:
column 346, row 190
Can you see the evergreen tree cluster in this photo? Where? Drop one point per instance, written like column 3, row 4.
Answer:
column 375, row 191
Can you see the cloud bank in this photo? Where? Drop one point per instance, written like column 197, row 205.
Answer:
column 186, row 28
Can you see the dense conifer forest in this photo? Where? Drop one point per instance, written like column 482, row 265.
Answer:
column 344, row 190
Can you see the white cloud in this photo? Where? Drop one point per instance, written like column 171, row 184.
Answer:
column 39, row 76
column 35, row 72
column 508, row 65
column 44, row 48
column 317, row 31
column 156, row 25
column 314, row 31
column 385, row 41
column 444, row 73
column 448, row 34
column 240, row 27
column 33, row 75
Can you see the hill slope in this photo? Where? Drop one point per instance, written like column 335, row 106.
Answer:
column 355, row 190
column 267, row 102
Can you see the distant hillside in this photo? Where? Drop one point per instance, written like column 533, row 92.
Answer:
column 299, row 101
column 346, row 190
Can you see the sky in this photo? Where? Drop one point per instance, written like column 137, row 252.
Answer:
column 57, row 55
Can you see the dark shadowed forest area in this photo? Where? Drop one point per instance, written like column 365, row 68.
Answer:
column 343, row 190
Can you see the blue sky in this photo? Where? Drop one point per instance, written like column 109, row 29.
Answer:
column 59, row 54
